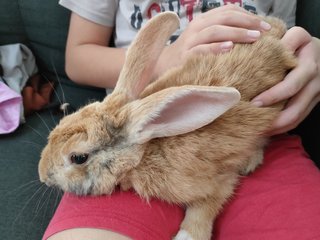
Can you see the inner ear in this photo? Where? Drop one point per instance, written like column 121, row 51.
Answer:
column 179, row 110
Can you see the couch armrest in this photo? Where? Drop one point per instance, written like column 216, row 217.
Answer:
column 11, row 27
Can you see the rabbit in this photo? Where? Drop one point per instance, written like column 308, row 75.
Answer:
column 185, row 138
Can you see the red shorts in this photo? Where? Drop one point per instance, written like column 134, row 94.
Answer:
column 280, row 200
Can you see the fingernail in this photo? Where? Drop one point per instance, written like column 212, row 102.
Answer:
column 253, row 33
column 257, row 103
column 226, row 45
column 265, row 25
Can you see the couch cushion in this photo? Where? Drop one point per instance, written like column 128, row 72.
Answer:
column 11, row 27
column 46, row 27
column 25, row 206
column 43, row 27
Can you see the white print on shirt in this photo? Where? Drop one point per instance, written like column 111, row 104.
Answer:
column 184, row 8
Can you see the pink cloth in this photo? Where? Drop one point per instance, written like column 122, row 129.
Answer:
column 281, row 200
column 10, row 105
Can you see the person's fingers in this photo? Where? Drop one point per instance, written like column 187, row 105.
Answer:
column 217, row 47
column 46, row 91
column 292, row 84
column 219, row 33
column 214, row 30
column 292, row 42
column 231, row 18
column 297, row 108
column 34, row 82
column 290, row 118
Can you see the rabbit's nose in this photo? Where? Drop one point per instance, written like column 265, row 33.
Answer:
column 49, row 179
column 47, row 182
column 46, row 178
column 43, row 178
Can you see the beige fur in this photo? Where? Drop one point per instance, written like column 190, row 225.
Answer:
column 199, row 169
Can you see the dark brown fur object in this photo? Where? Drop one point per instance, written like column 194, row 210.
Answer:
column 185, row 138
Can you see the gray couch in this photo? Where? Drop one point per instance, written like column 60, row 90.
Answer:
column 26, row 206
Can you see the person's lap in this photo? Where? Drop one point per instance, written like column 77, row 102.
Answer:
column 278, row 201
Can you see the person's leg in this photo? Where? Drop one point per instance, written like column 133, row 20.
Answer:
column 280, row 200
column 121, row 214
column 87, row 233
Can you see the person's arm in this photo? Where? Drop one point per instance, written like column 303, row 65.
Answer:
column 88, row 60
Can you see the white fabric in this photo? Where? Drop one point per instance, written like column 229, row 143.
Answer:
column 284, row 9
column 128, row 16
column 99, row 11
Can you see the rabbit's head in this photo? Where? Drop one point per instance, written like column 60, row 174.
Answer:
column 91, row 150
column 87, row 153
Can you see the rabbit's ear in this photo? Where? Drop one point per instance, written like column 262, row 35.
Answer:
column 143, row 54
column 178, row 110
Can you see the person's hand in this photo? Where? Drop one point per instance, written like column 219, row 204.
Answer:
column 301, row 86
column 212, row 32
column 35, row 95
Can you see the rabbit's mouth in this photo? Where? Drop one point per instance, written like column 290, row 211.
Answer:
column 76, row 186
column 80, row 191
column 89, row 186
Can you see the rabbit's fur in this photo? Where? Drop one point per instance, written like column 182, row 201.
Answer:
column 160, row 138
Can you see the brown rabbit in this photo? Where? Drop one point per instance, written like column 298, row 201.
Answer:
column 184, row 138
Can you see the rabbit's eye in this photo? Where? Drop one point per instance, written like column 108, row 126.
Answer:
column 79, row 158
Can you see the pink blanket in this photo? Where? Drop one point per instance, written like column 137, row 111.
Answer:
column 10, row 104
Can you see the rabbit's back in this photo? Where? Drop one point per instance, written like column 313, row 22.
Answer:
column 209, row 157
column 250, row 68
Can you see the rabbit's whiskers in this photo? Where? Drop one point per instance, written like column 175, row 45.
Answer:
column 37, row 132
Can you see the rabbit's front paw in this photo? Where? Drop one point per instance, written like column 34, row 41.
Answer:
column 183, row 235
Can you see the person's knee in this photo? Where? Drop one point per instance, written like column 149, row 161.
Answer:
column 87, row 233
